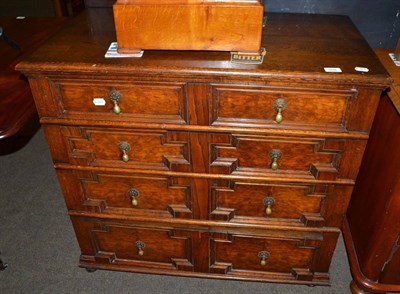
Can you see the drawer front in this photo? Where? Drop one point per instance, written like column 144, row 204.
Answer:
column 282, row 257
column 262, row 203
column 312, row 205
column 315, row 109
column 133, row 149
column 268, row 254
column 133, row 246
column 130, row 195
column 318, row 158
column 140, row 102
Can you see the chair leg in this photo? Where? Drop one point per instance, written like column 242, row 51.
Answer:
column 3, row 266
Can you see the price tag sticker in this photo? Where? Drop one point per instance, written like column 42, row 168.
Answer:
column 99, row 101
column 332, row 69
column 361, row 69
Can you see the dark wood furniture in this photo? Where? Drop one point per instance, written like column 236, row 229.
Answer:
column 16, row 103
column 68, row 7
column 372, row 227
column 184, row 163
column 99, row 3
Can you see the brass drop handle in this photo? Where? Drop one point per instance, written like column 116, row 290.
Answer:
column 268, row 202
column 125, row 148
column 275, row 154
column 280, row 104
column 134, row 194
column 115, row 98
column 263, row 255
column 140, row 246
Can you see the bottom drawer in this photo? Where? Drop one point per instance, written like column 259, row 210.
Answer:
column 267, row 254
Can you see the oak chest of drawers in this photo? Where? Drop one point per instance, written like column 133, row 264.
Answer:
column 184, row 163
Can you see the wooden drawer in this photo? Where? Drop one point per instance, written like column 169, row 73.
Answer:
column 326, row 159
column 231, row 253
column 300, row 157
column 137, row 102
column 122, row 148
column 269, row 203
column 127, row 195
column 280, row 256
column 137, row 196
column 316, row 109
column 133, row 245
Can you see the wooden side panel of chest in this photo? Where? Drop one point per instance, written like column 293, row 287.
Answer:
column 372, row 224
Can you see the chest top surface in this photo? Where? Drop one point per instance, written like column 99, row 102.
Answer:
column 298, row 46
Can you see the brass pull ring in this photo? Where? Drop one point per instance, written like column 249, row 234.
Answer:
column 268, row 202
column 275, row 154
column 280, row 104
column 134, row 194
column 263, row 255
column 115, row 98
column 125, row 148
column 140, row 246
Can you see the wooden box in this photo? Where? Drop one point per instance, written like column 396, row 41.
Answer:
column 232, row 25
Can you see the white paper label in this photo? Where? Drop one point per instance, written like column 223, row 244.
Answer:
column 393, row 57
column 332, row 69
column 99, row 101
column 361, row 69
column 112, row 52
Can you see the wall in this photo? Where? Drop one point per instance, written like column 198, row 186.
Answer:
column 26, row 8
column 377, row 20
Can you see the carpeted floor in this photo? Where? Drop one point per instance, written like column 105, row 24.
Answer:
column 38, row 243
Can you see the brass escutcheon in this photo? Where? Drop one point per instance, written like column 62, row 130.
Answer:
column 115, row 98
column 269, row 202
column 279, row 104
column 125, row 148
column 140, row 246
column 134, row 194
column 263, row 255
column 275, row 154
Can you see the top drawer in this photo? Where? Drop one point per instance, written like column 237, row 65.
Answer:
column 219, row 105
column 314, row 109
column 137, row 102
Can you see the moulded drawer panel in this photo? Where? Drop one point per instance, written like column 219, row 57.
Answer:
column 315, row 109
column 133, row 246
column 124, row 148
column 281, row 257
column 137, row 102
column 291, row 204
column 255, row 154
column 127, row 195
